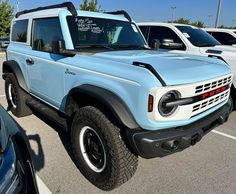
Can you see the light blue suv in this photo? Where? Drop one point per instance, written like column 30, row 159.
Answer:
column 94, row 74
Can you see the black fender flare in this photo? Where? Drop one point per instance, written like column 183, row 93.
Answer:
column 112, row 102
column 13, row 67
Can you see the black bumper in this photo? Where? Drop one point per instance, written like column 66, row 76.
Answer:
column 149, row 144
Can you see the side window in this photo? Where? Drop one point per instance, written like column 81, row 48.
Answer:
column 224, row 38
column 19, row 31
column 47, row 32
column 144, row 30
column 164, row 34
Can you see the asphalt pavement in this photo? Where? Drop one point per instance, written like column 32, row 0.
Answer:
column 208, row 167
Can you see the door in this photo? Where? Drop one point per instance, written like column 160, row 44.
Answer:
column 45, row 72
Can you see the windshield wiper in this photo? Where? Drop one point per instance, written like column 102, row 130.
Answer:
column 94, row 46
column 132, row 47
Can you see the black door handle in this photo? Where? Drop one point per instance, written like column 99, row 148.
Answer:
column 30, row 61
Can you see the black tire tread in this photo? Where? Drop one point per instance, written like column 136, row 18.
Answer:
column 124, row 163
column 21, row 109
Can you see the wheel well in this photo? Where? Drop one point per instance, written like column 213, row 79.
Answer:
column 79, row 100
column 13, row 67
column 6, row 69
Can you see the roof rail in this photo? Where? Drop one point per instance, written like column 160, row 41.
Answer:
column 68, row 5
column 121, row 12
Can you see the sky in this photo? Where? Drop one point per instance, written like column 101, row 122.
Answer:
column 157, row 10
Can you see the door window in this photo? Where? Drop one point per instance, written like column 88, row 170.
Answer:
column 47, row 32
column 163, row 33
column 19, row 31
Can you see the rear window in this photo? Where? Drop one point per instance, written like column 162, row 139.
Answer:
column 19, row 31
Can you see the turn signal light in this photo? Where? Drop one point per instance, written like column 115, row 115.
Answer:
column 150, row 103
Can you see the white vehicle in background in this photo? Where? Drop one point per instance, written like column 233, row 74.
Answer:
column 224, row 36
column 186, row 39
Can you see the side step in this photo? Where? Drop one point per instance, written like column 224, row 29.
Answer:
column 49, row 113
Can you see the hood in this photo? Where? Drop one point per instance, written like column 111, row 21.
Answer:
column 174, row 69
column 218, row 49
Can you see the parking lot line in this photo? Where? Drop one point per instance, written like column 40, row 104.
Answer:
column 43, row 189
column 224, row 134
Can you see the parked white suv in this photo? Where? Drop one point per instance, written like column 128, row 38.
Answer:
column 224, row 36
column 186, row 39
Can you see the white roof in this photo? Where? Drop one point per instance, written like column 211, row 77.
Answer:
column 160, row 24
column 56, row 11
column 219, row 30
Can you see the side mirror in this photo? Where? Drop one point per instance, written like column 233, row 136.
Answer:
column 58, row 46
column 155, row 44
column 170, row 44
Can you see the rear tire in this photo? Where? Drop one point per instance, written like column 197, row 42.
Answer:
column 99, row 151
column 16, row 97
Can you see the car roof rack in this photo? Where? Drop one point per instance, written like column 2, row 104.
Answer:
column 121, row 12
column 68, row 5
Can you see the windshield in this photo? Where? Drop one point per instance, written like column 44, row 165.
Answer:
column 106, row 33
column 197, row 36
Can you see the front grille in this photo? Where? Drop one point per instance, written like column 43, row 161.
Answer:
column 213, row 85
column 210, row 101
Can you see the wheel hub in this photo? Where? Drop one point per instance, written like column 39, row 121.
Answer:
column 92, row 149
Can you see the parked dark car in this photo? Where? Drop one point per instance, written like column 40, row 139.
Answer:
column 17, row 173
column 4, row 42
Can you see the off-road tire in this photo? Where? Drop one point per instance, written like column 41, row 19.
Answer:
column 19, row 109
column 121, row 164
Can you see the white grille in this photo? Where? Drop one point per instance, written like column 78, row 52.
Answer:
column 211, row 101
column 213, row 85
column 185, row 112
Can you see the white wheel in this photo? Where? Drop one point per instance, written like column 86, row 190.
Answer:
column 92, row 149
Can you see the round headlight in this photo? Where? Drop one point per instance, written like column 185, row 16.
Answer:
column 165, row 110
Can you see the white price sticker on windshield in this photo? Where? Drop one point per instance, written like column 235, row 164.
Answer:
column 186, row 35
column 134, row 28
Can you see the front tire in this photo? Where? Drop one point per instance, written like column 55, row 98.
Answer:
column 16, row 97
column 99, row 151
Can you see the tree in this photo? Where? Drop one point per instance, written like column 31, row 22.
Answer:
column 90, row 6
column 222, row 26
column 6, row 15
column 198, row 24
column 180, row 21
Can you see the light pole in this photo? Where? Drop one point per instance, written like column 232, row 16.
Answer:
column 209, row 19
column 218, row 13
column 17, row 6
column 173, row 13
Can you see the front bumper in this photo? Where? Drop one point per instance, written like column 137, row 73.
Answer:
column 149, row 144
